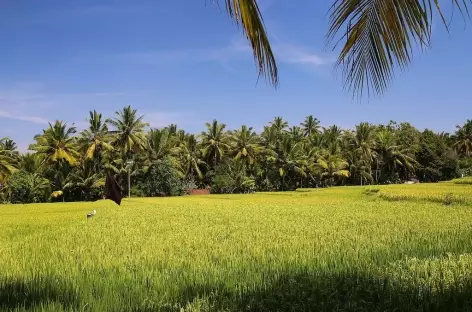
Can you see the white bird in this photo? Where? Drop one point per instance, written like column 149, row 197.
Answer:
column 91, row 214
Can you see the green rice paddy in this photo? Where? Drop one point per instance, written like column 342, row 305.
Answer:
column 404, row 248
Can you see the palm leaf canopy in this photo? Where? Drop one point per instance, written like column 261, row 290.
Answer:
column 379, row 35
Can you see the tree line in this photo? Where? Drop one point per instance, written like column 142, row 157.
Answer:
column 67, row 165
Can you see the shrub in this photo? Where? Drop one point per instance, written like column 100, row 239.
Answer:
column 371, row 191
column 231, row 177
column 448, row 199
column 465, row 180
column 162, row 179
column 24, row 187
column 189, row 185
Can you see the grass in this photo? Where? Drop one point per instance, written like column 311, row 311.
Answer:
column 321, row 250
column 465, row 180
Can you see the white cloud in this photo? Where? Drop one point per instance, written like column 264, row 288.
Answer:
column 33, row 119
column 30, row 102
column 237, row 49
column 289, row 53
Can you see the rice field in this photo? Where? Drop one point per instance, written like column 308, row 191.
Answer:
column 404, row 248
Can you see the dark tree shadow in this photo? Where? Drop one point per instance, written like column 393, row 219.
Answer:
column 334, row 292
column 36, row 293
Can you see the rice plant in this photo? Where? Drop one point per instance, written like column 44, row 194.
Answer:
column 329, row 250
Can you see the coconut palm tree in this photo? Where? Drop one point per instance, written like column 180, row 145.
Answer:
column 310, row 126
column 245, row 145
column 291, row 163
column 269, row 136
column 331, row 138
column 30, row 162
column 57, row 144
column 172, row 129
column 95, row 139
column 128, row 130
column 463, row 138
column 8, row 164
column 214, row 142
column 86, row 180
column 364, row 140
column 296, row 133
column 179, row 138
column 189, row 154
column 279, row 124
column 8, row 144
column 392, row 158
column 160, row 146
column 331, row 167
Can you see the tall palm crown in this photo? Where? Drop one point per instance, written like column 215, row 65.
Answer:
column 290, row 158
column 30, row 162
column 331, row 138
column 332, row 166
column 311, row 126
column 8, row 164
column 214, row 141
column 8, row 144
column 96, row 137
column 160, row 146
column 245, row 145
column 391, row 156
column 296, row 133
column 364, row 141
column 190, row 155
column 269, row 136
column 280, row 124
column 464, row 139
column 85, row 177
column 57, row 144
column 128, row 130
column 8, row 158
column 172, row 129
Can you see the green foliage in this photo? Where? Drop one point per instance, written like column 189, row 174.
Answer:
column 282, row 157
column 465, row 180
column 128, row 130
column 84, row 183
column 215, row 142
column 438, row 162
column 231, row 177
column 371, row 191
column 161, row 179
column 327, row 250
column 57, row 144
column 465, row 166
column 24, row 187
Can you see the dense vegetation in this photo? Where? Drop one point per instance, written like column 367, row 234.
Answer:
column 399, row 248
column 67, row 165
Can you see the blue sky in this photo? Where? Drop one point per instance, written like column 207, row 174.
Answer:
column 184, row 62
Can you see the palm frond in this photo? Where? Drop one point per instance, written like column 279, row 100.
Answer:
column 380, row 36
column 246, row 13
